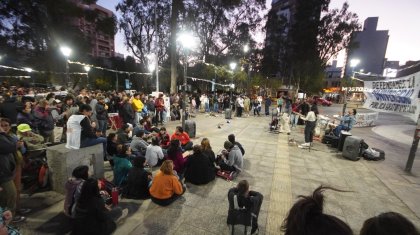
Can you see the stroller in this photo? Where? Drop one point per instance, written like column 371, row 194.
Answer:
column 274, row 124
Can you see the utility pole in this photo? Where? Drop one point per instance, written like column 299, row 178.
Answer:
column 414, row 147
column 156, row 48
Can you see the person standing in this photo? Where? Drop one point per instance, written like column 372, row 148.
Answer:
column 137, row 107
column 160, row 107
column 44, row 121
column 102, row 115
column 280, row 103
column 310, row 122
column 267, row 105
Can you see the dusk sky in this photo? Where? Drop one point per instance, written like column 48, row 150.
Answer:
column 399, row 17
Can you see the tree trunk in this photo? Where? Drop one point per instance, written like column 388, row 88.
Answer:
column 174, row 27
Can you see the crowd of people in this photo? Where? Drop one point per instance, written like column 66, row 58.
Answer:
column 147, row 161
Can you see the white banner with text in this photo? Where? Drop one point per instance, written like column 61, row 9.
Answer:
column 400, row 95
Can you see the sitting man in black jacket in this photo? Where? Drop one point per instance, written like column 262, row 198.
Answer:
column 88, row 136
column 138, row 181
column 242, row 199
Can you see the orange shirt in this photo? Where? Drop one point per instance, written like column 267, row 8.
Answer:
column 184, row 138
column 164, row 186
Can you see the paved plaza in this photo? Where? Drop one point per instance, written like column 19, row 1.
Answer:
column 278, row 170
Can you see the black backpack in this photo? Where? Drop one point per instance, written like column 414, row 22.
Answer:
column 238, row 215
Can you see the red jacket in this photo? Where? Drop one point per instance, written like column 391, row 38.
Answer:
column 184, row 138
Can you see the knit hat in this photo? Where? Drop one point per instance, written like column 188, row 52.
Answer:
column 228, row 145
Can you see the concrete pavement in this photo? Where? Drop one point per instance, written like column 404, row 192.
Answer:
column 278, row 170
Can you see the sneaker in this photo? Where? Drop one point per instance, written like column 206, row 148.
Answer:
column 305, row 145
column 18, row 219
column 124, row 214
column 24, row 211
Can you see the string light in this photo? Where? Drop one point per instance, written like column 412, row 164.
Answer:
column 106, row 69
column 204, row 80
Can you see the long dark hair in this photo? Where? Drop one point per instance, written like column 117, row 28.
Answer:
column 89, row 192
column 173, row 148
column 306, row 217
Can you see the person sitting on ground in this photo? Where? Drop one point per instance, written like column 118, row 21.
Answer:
column 32, row 141
column 142, row 127
column 123, row 134
column 148, row 125
column 206, row 150
column 80, row 131
column 245, row 198
column 175, row 154
column 111, row 147
column 138, row 144
column 199, row 167
column 154, row 154
column 346, row 122
column 389, row 223
column 164, row 139
column 166, row 187
column 79, row 175
column 231, row 139
column 122, row 165
column 92, row 216
column 231, row 158
column 183, row 137
column 138, row 181
column 306, row 217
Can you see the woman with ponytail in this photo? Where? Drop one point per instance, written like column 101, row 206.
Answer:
column 306, row 217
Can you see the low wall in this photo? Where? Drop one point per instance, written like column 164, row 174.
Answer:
column 62, row 161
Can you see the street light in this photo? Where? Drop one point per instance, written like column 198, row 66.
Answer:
column 87, row 69
column 29, row 70
column 188, row 42
column 232, row 66
column 66, row 51
column 246, row 48
column 353, row 64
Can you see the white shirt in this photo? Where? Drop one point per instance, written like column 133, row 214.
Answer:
column 153, row 153
column 310, row 117
column 74, row 131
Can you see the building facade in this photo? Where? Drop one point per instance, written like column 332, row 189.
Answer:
column 102, row 45
column 371, row 45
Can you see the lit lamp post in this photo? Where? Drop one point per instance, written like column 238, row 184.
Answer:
column 188, row 42
column 29, row 70
column 66, row 51
column 152, row 61
column 353, row 64
column 232, row 66
column 87, row 69
column 246, row 49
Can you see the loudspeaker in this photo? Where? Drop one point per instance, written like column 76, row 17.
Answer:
column 343, row 136
column 228, row 113
column 352, row 148
column 190, row 128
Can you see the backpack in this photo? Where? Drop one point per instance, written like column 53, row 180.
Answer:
column 373, row 154
column 36, row 174
column 238, row 215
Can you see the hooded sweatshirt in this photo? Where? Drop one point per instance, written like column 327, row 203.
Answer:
column 235, row 158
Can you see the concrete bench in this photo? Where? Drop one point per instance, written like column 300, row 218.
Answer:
column 62, row 161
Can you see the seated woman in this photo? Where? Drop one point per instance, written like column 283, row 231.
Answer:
column 207, row 150
column 138, row 181
column 166, row 187
column 79, row 175
column 175, row 154
column 306, row 217
column 183, row 137
column 91, row 214
column 199, row 168
column 122, row 164
column 389, row 223
column 148, row 125
column 250, row 200
column 154, row 154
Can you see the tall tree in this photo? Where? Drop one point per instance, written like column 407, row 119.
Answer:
column 335, row 32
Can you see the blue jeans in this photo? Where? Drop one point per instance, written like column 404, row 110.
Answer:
column 94, row 141
column 137, row 119
column 216, row 107
column 102, row 126
column 206, row 107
